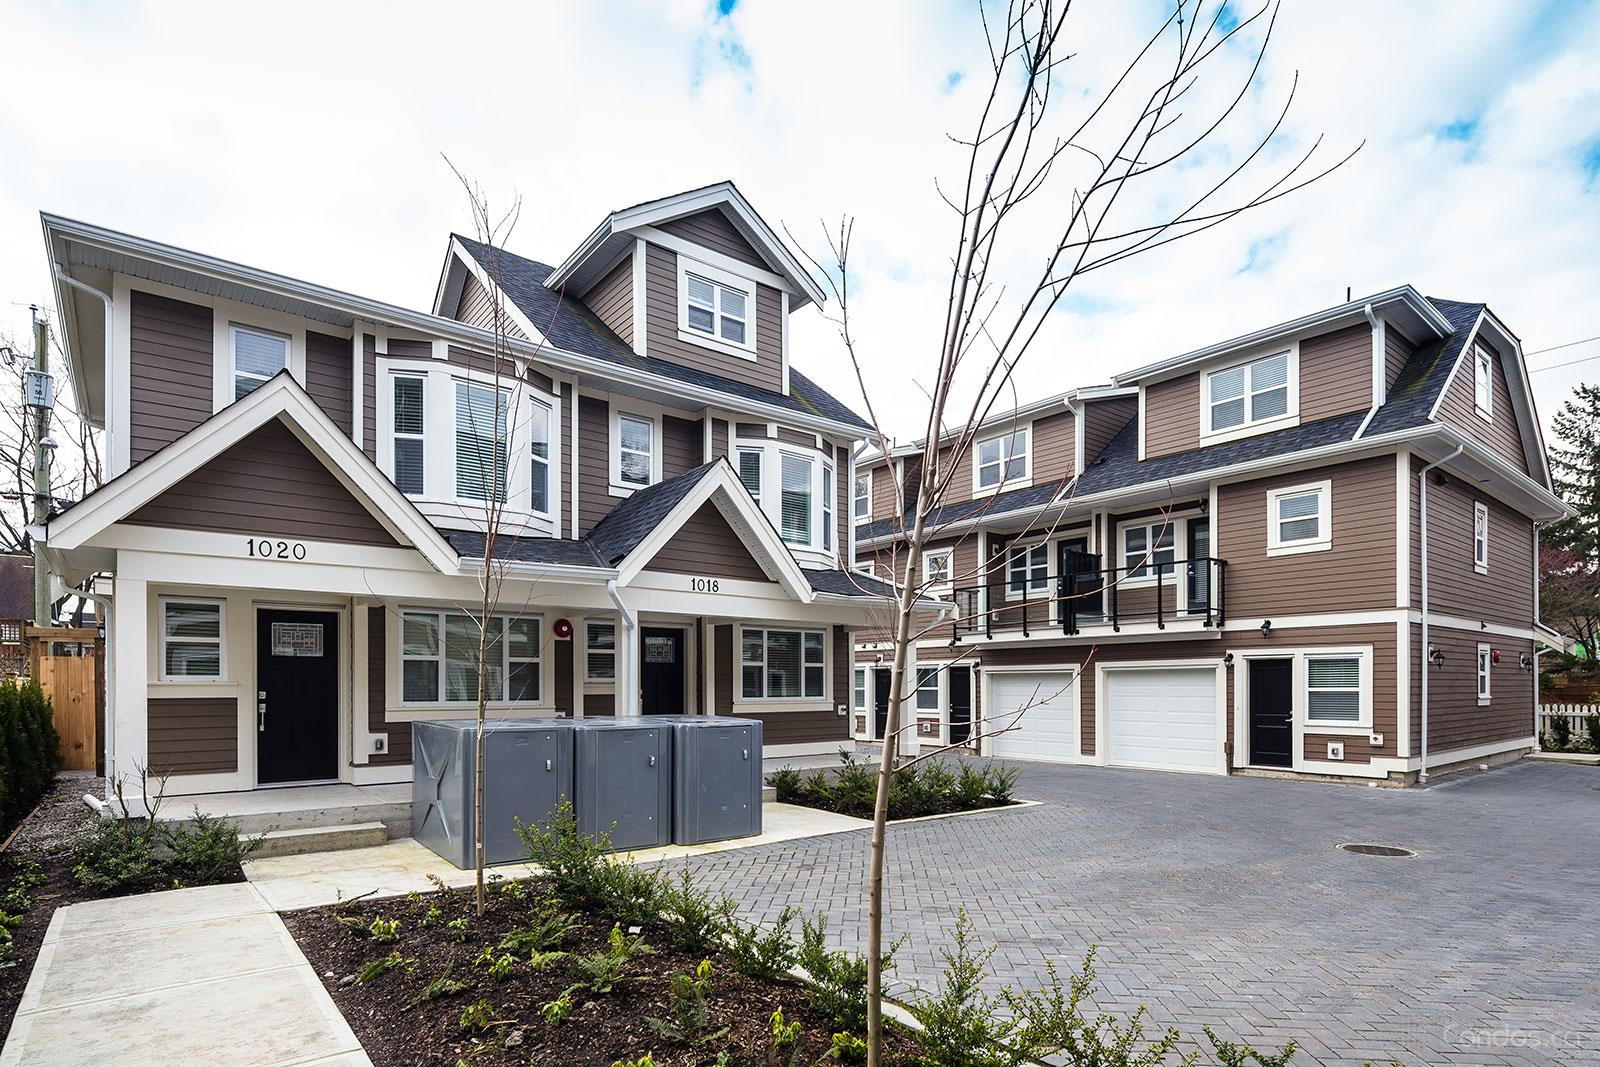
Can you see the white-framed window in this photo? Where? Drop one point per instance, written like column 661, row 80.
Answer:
column 782, row 664
column 599, row 651
column 827, row 507
column 1483, row 381
column 862, row 500
column 750, row 471
column 1149, row 548
column 192, row 643
column 635, row 451
column 482, row 429
column 1001, row 460
column 409, row 393
column 540, row 428
column 795, row 490
column 858, row 690
column 257, row 356
column 1027, row 570
column 1334, row 690
column 928, row 688
column 439, row 658
column 936, row 569
column 1250, row 394
column 716, row 308
column 1480, row 538
column 1300, row 519
column 1485, row 663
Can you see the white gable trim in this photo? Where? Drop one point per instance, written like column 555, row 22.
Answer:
column 721, row 486
column 513, row 312
column 1510, row 347
column 280, row 397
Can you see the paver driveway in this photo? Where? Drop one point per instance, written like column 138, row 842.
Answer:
column 1223, row 900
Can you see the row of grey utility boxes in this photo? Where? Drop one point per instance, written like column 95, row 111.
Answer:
column 647, row 781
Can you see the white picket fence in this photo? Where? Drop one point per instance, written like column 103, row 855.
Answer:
column 1577, row 716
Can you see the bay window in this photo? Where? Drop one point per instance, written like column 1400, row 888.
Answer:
column 1149, row 549
column 782, row 664
column 750, row 472
column 795, row 507
column 539, row 429
column 440, row 662
column 481, row 432
column 827, row 507
column 409, row 423
column 1250, row 393
column 257, row 356
column 191, row 639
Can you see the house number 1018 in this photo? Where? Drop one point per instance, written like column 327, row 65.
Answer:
column 262, row 548
column 705, row 585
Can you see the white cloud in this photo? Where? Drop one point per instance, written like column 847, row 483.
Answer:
column 309, row 142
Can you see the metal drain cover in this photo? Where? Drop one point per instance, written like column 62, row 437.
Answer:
column 1363, row 849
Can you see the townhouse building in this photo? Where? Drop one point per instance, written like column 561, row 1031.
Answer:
column 1311, row 549
column 290, row 544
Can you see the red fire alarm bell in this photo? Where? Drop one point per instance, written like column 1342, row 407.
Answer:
column 562, row 628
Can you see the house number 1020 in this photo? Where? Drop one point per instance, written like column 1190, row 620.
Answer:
column 705, row 585
column 262, row 548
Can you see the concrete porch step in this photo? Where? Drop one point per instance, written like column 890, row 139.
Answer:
column 306, row 839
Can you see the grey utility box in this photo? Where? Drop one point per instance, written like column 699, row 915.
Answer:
column 622, row 781
column 527, row 773
column 716, row 778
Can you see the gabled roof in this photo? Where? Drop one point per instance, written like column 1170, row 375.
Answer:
column 616, row 231
column 625, row 527
column 1421, row 381
column 568, row 323
column 281, row 398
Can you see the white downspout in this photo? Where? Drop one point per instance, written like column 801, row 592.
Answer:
column 629, row 653
column 1422, row 489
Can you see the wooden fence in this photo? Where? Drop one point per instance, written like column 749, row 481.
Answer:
column 1576, row 715
column 69, row 666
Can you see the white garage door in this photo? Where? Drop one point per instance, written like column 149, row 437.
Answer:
column 1048, row 728
column 1163, row 718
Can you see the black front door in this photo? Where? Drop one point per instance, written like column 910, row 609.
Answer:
column 297, row 696
column 1199, row 568
column 1271, row 713
column 959, row 680
column 1080, row 580
column 661, row 670
column 880, row 703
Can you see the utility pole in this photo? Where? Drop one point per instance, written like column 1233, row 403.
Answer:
column 38, row 396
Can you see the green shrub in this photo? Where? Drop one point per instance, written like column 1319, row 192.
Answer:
column 209, row 849
column 118, row 855
column 963, row 1025
column 1591, row 724
column 30, row 752
column 839, row 990
column 605, row 970
column 1559, row 736
column 766, row 954
column 698, row 921
column 1001, row 782
column 856, row 787
column 686, row 1002
column 584, row 874
column 786, row 782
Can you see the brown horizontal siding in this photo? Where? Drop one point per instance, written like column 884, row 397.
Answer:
column 564, row 419
column 804, row 438
column 169, row 371
column 369, row 395
column 1455, row 719
column 1336, row 373
column 594, row 462
column 712, row 229
column 598, row 704
column 843, row 502
column 269, row 484
column 1102, row 421
column 884, row 493
column 707, row 545
column 378, row 697
column 612, row 298
column 1055, row 446
column 330, row 376
column 1172, row 416
column 1357, row 573
column 750, row 430
column 661, row 325
column 484, row 363
column 1397, row 351
column 799, row 727
column 1505, row 594
column 682, row 444
column 193, row 735
column 719, row 437
column 1459, row 408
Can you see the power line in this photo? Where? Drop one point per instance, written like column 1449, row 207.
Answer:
column 1553, row 348
column 1568, row 363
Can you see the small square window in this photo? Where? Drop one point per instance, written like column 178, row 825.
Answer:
column 1002, row 460
column 257, row 356
column 1149, row 549
column 717, row 307
column 1027, row 570
column 1333, row 689
column 1299, row 519
column 191, row 639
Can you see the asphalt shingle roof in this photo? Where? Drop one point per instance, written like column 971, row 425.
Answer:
column 630, row 522
column 1423, row 378
column 570, row 325
column 847, row 583
column 559, row 551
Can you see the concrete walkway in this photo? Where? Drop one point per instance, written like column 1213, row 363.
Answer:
column 192, row 976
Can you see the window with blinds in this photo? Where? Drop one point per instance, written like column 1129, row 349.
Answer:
column 257, row 356
column 410, row 400
column 750, row 472
column 1333, row 689
column 539, row 431
column 480, row 442
column 1249, row 393
column 795, row 513
column 782, row 664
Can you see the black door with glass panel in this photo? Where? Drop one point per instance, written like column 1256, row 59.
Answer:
column 880, row 703
column 1081, row 586
column 661, row 671
column 1199, row 566
column 297, row 696
column 1271, row 712
column 959, row 680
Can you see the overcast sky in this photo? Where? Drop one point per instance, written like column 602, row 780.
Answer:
column 307, row 139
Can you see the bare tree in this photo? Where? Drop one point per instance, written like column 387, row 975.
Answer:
column 1069, row 192
column 74, row 463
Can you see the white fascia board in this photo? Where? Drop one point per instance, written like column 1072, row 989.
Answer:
column 563, row 572
column 282, row 395
column 449, row 329
column 65, row 297
column 513, row 312
column 1353, row 308
column 722, row 485
column 1528, row 427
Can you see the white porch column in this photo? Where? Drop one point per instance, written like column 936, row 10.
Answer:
column 128, row 684
column 908, row 708
column 578, row 643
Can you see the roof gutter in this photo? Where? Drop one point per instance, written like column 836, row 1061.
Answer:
column 364, row 308
column 565, row 571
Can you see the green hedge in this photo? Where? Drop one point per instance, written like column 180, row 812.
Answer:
column 30, row 752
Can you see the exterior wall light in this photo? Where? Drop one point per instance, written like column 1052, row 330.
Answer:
column 1436, row 657
column 1266, row 627
column 1525, row 661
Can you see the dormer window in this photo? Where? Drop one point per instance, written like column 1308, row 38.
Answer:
column 257, row 356
column 1483, row 382
column 863, row 496
column 1001, row 460
column 1257, row 393
column 716, row 309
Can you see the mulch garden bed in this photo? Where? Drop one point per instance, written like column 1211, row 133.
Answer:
column 46, row 837
column 601, row 1029
column 938, row 787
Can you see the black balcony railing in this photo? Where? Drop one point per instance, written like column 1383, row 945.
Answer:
column 1089, row 595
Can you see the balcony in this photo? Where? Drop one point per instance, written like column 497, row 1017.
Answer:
column 1091, row 600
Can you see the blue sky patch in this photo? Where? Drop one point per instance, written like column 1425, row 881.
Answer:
column 1263, row 252
column 725, row 8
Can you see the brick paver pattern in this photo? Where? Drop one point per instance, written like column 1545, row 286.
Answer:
column 1223, row 901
